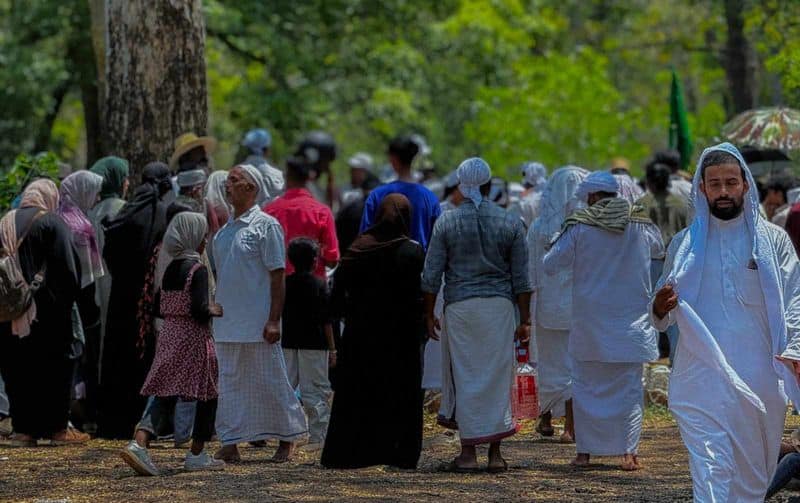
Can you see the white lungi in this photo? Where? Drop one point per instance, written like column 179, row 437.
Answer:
column 478, row 369
column 308, row 373
column 608, row 403
column 554, row 366
column 256, row 400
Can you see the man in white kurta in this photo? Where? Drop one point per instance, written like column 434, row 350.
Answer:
column 552, row 303
column 732, row 284
column 256, row 401
column 608, row 247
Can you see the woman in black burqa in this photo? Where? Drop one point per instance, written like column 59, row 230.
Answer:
column 129, row 241
column 377, row 409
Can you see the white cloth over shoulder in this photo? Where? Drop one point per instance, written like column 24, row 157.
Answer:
column 738, row 282
column 553, row 293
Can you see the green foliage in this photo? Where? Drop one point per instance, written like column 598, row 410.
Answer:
column 560, row 81
column 25, row 169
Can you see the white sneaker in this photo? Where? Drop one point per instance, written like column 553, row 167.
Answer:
column 202, row 462
column 138, row 458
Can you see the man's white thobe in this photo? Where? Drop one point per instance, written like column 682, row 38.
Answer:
column 733, row 446
column 738, row 285
column 610, row 334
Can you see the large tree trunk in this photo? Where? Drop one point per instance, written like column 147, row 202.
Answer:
column 739, row 60
column 155, row 79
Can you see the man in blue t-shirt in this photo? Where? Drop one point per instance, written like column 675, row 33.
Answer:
column 425, row 204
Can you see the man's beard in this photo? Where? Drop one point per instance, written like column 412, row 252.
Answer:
column 726, row 212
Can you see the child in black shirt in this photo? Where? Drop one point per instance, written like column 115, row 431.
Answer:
column 307, row 337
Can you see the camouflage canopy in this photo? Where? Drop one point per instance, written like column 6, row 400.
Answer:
column 765, row 128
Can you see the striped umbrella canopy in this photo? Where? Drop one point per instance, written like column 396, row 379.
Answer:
column 765, row 128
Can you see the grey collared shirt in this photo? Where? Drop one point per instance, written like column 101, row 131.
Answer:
column 481, row 252
column 245, row 251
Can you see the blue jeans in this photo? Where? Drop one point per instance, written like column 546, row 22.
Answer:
column 177, row 419
column 788, row 468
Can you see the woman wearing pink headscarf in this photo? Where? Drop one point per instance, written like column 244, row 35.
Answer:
column 79, row 192
column 34, row 350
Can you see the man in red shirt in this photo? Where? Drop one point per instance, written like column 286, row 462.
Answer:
column 301, row 215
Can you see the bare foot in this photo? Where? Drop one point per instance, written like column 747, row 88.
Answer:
column 284, row 452
column 566, row 438
column 630, row 463
column 228, row 453
column 580, row 461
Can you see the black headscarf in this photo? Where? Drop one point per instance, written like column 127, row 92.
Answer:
column 391, row 227
column 140, row 224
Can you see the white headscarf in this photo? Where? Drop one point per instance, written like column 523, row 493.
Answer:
column 689, row 259
column 215, row 190
column 558, row 200
column 184, row 235
column 535, row 175
column 81, row 189
column 255, row 176
column 472, row 174
column 628, row 189
column 597, row 181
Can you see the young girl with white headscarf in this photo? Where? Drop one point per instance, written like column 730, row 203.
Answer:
column 185, row 364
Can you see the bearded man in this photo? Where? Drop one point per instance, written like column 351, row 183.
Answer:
column 731, row 282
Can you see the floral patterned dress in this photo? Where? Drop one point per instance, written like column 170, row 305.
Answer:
column 185, row 363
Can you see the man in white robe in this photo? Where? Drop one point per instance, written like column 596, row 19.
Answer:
column 552, row 303
column 256, row 401
column 731, row 282
column 480, row 250
column 608, row 247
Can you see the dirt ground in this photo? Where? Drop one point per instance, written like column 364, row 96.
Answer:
column 539, row 471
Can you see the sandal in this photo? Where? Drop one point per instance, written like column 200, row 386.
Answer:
column 453, row 467
column 498, row 468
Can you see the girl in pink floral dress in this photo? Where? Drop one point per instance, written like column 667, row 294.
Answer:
column 185, row 364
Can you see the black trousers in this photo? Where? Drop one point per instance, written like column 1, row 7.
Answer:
column 38, row 376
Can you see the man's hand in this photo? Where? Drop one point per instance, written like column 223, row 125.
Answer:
column 332, row 359
column 523, row 333
column 433, row 326
column 666, row 300
column 272, row 332
column 794, row 364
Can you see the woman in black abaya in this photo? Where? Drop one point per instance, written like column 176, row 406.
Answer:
column 377, row 409
column 129, row 241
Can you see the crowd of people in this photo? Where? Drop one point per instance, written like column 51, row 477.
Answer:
column 257, row 304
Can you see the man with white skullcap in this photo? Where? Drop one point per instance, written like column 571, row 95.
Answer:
column 256, row 401
column 608, row 248
column 480, row 249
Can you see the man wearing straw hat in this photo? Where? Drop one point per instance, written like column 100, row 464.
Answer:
column 192, row 152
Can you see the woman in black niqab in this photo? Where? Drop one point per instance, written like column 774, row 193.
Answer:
column 377, row 410
column 129, row 241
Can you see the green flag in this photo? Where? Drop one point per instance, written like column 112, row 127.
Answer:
column 680, row 138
